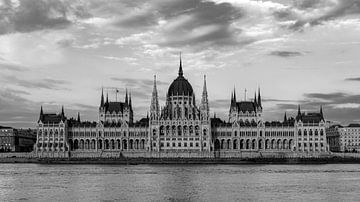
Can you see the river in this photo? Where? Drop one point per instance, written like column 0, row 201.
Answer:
column 35, row 182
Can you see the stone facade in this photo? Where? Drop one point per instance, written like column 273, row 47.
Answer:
column 17, row 140
column 181, row 128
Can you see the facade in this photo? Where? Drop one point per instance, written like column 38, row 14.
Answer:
column 349, row 138
column 180, row 128
column 333, row 137
column 17, row 140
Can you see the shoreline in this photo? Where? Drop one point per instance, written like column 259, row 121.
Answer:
column 182, row 161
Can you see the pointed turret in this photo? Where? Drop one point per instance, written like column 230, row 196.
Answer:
column 62, row 111
column 285, row 118
column 180, row 67
column 41, row 113
column 154, row 106
column 321, row 112
column 234, row 95
column 107, row 98
column 102, row 98
column 298, row 117
column 259, row 98
column 126, row 97
column 255, row 100
column 78, row 117
column 205, row 101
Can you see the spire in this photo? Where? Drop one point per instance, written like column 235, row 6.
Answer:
column 154, row 106
column 102, row 98
column 204, row 87
column 41, row 113
column 285, row 118
column 321, row 112
column 234, row 95
column 126, row 97
column 299, row 110
column 255, row 101
column 180, row 67
column 78, row 117
column 107, row 97
column 259, row 98
column 62, row 111
column 204, row 101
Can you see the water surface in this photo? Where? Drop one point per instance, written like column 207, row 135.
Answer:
column 35, row 182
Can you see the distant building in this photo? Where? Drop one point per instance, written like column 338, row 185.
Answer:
column 17, row 140
column 181, row 128
column 350, row 138
column 333, row 137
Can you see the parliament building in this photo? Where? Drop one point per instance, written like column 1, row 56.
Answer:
column 181, row 128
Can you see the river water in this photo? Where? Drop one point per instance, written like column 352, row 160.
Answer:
column 33, row 182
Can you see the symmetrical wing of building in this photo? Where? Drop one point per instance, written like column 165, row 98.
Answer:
column 181, row 128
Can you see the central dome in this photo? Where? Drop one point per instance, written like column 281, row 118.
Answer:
column 180, row 86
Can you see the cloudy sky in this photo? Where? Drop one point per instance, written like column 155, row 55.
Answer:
column 61, row 52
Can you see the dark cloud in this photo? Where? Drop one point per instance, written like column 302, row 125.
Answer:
column 51, row 84
column 17, row 111
column 353, row 79
column 32, row 15
column 208, row 22
column 335, row 9
column 11, row 67
column 140, row 83
column 337, row 106
column 286, row 53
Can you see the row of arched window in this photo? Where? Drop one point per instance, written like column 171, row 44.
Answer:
column 254, row 144
column 305, row 132
column 107, row 144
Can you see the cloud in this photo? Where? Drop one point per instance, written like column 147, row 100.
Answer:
column 50, row 84
column 286, row 53
column 338, row 106
column 353, row 79
column 315, row 12
column 139, row 83
column 31, row 15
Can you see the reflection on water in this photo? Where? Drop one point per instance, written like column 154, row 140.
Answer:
column 179, row 182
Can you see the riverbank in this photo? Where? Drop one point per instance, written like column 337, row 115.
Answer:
column 135, row 161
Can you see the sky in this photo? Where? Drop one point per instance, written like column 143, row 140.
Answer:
column 57, row 53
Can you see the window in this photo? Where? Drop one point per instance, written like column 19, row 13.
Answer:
column 197, row 144
column 168, row 144
column 185, row 144
column 173, row 144
column 191, row 144
column 179, row 144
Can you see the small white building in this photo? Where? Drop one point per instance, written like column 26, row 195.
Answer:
column 350, row 138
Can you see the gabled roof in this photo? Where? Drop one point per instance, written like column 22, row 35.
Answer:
column 5, row 127
column 354, row 125
column 311, row 118
column 246, row 106
column 115, row 107
column 52, row 118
